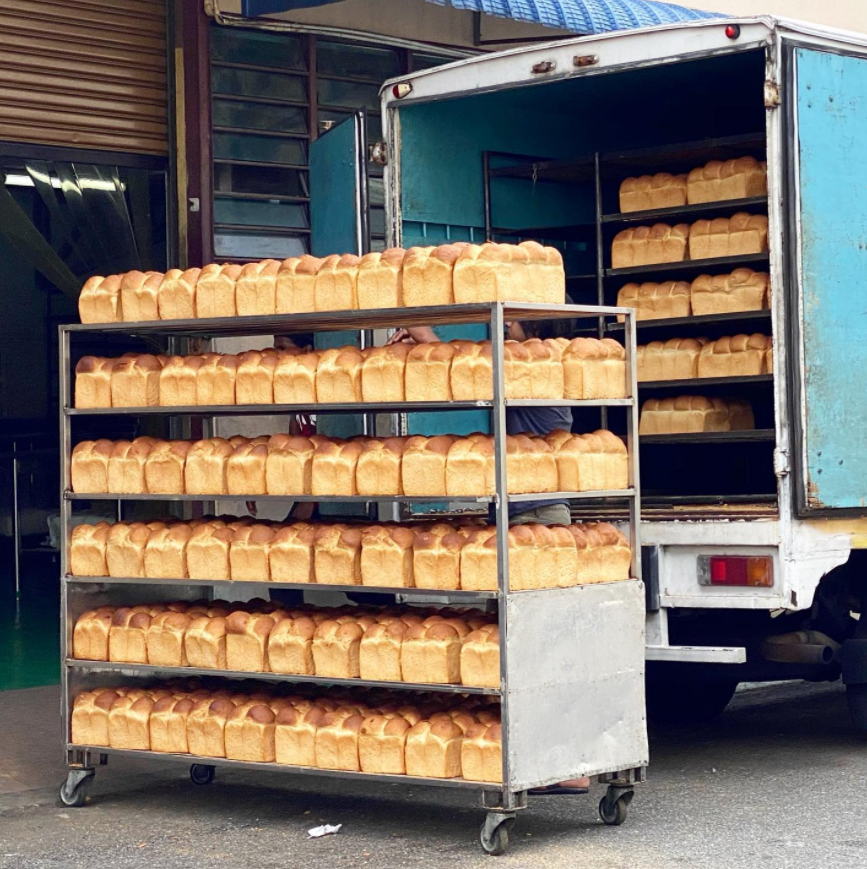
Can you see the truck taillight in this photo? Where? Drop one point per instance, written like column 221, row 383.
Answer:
column 755, row 570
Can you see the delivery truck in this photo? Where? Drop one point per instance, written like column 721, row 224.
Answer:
column 754, row 539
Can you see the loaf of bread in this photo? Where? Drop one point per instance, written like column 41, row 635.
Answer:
column 250, row 733
column 296, row 280
column 205, row 469
column 482, row 753
column 379, row 652
column 428, row 372
column 205, row 642
column 382, row 744
column 428, row 275
column 470, row 468
column 739, row 235
column 247, row 641
column 338, row 375
column 472, row 371
column 656, row 301
column 295, row 741
column 165, row 554
column 177, row 381
column 256, row 288
column 138, row 296
column 93, row 382
column 290, row 646
column 90, row 634
column 737, row 356
column 423, row 468
column 530, row 563
column 295, row 378
column 176, row 297
column 248, row 554
column 165, row 639
column 100, row 300
column 135, row 380
column 334, row 464
column 90, row 466
column 125, row 548
column 164, row 467
column 336, row 287
column 741, row 178
column 530, row 465
column 563, row 553
column 167, row 725
column 646, row 192
column 606, row 556
column 436, row 555
column 215, row 290
column 378, row 469
column 387, row 556
column 127, row 637
column 215, row 379
column 687, row 414
column 478, row 566
column 380, row 279
column 291, row 554
column 431, row 651
column 533, row 369
column 594, row 369
column 742, row 290
column 289, row 465
column 648, row 245
column 383, row 373
column 254, row 382
column 675, row 359
column 433, row 748
column 480, row 658
column 208, row 551
column 87, row 550
column 90, row 711
column 336, row 648
column 337, row 739
column 128, row 722
column 337, row 555
column 126, row 466
column 245, row 469
column 589, row 462
column 206, row 726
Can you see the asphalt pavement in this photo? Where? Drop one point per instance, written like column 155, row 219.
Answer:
column 776, row 782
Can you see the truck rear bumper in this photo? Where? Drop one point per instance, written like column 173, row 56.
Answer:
column 697, row 654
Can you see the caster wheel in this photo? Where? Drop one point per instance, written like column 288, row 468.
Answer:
column 74, row 795
column 495, row 841
column 202, row 774
column 613, row 814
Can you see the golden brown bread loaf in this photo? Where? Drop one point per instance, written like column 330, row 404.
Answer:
column 205, row 470
column 215, row 290
column 423, row 468
column 656, row 301
column 648, row 245
column 164, row 467
column 100, row 300
column 177, row 381
column 472, row 372
column 675, row 359
column 291, row 554
column 167, row 725
column 380, row 279
column 205, row 642
column 383, row 373
column 295, row 378
column 247, row 641
column 739, row 235
column 138, row 296
column 126, row 466
column 208, row 551
column 87, row 550
column 254, row 380
column 165, row 555
column 387, row 556
column 428, row 372
column 290, row 646
column 135, row 381
column 90, row 634
column 530, row 562
column 594, row 369
column 165, row 639
column 379, row 652
column 470, row 467
column 215, row 379
column 336, row 648
column 589, row 462
column 296, row 729
column 740, row 178
column 250, row 733
column 176, row 297
column 90, row 466
column 206, row 726
column 289, row 465
column 742, row 290
column 533, row 369
column 530, row 465
column 334, row 464
column 127, row 637
column 338, row 375
column 249, row 551
column 336, row 286
column 93, row 382
column 646, row 192
column 428, row 275
column 90, row 711
column 688, row 414
column 737, row 356
column 296, row 280
column 337, row 739
column 480, row 658
column 382, row 744
column 436, row 557
column 606, row 556
column 337, row 555
column 478, row 568
column 245, row 469
column 125, row 547
column 482, row 753
column 433, row 748
column 256, row 288
column 431, row 651
column 378, row 468
column 128, row 722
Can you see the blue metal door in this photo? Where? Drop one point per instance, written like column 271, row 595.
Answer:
column 830, row 99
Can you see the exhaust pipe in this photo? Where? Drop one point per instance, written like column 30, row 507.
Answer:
column 801, row 647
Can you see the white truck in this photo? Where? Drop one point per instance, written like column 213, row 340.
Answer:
column 754, row 541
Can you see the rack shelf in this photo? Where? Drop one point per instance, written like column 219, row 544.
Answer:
column 699, row 383
column 719, row 437
column 763, row 316
column 456, row 596
column 175, row 672
column 691, row 266
column 686, row 213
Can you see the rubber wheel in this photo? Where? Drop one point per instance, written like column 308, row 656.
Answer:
column 673, row 703
column 498, row 842
column 202, row 774
column 856, row 697
column 613, row 814
column 74, row 799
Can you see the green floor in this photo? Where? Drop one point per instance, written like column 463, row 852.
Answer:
column 30, row 627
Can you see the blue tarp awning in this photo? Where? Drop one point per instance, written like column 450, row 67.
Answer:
column 579, row 16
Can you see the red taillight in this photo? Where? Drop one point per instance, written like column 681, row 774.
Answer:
column 733, row 31
column 401, row 90
column 755, row 571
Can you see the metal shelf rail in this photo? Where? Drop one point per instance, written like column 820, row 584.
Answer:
column 571, row 659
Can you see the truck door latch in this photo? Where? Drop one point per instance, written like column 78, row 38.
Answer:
column 379, row 152
column 781, row 462
column 772, row 94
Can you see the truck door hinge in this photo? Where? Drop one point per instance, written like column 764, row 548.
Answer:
column 781, row 462
column 379, row 152
column 772, row 94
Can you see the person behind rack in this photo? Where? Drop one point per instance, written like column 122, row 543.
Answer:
column 539, row 421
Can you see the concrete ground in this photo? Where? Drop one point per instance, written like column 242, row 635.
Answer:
column 776, row 782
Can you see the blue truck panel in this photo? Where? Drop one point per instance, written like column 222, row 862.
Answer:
column 832, row 130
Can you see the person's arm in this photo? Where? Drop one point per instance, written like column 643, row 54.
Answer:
column 414, row 335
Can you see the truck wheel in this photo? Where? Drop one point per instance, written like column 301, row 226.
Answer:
column 687, row 702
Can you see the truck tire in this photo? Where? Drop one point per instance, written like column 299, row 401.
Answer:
column 854, row 659
column 687, row 702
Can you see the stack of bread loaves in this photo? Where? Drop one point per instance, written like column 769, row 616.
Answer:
column 445, row 465
column 444, row 736
column 689, row 414
column 458, row 370
column 742, row 290
column 452, row 273
column 437, row 556
column 688, row 358
column 386, row 645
